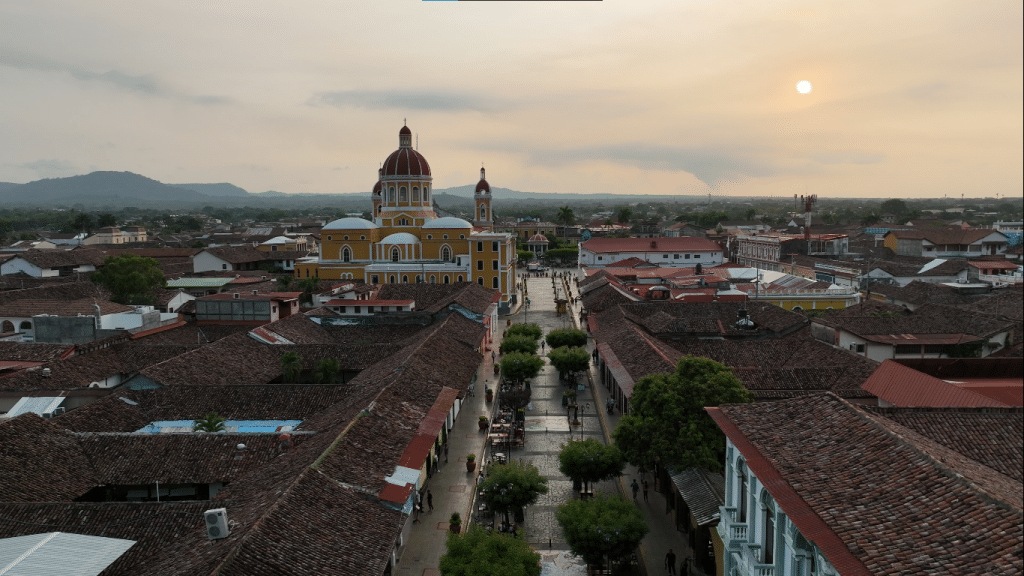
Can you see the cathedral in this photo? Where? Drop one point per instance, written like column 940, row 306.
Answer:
column 406, row 241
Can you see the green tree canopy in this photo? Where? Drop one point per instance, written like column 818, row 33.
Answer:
column 895, row 206
column 667, row 423
column 625, row 214
column 566, row 337
column 518, row 343
column 130, row 278
column 105, row 220
column 568, row 255
column 531, row 330
column 517, row 367
column 327, row 370
column 212, row 422
column 587, row 461
column 510, row 487
column 291, row 366
column 480, row 552
column 567, row 360
column 524, row 255
column 603, row 526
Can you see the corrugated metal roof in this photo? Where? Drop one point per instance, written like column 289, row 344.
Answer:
column 59, row 554
column 198, row 282
column 703, row 492
column 37, row 405
column 230, row 426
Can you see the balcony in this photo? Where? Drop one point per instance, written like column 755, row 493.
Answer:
column 733, row 533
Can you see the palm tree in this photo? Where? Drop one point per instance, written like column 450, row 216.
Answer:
column 212, row 422
column 327, row 370
column 566, row 216
column 291, row 366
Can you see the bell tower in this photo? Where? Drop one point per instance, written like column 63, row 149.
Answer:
column 482, row 215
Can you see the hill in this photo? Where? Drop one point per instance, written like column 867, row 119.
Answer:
column 222, row 189
column 99, row 188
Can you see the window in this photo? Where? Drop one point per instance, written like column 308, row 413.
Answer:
column 430, row 236
column 446, row 254
column 479, row 246
column 479, row 264
column 769, row 531
column 7, row 327
column 675, row 256
column 362, row 237
column 462, row 236
column 687, row 256
column 374, row 279
column 346, row 255
column 458, row 278
column 483, row 212
column 405, row 278
column 934, row 348
column 345, row 237
column 426, row 193
column 600, row 257
column 908, row 348
column 696, row 255
column 391, row 194
column 328, row 237
column 223, row 266
column 419, row 279
column 444, row 279
column 494, row 282
column 480, row 281
column 415, row 193
column 444, row 236
column 741, row 478
column 357, row 309
column 391, row 279
column 403, row 194
column 664, row 255
column 494, row 264
column 395, row 255
column 494, row 246
column 433, row 279
column 797, row 308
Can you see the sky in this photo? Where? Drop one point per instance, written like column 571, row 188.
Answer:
column 909, row 99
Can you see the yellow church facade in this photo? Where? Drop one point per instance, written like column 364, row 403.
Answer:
column 407, row 243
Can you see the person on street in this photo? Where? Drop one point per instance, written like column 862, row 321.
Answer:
column 670, row 562
column 430, row 500
column 635, row 487
column 646, row 487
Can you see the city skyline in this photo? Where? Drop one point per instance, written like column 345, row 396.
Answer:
column 909, row 100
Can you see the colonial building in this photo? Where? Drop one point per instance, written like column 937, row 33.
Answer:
column 407, row 243
column 684, row 252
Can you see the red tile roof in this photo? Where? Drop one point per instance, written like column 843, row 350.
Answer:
column 903, row 386
column 663, row 244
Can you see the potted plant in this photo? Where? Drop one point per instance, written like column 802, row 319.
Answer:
column 489, row 394
column 470, row 462
column 455, row 523
column 482, row 422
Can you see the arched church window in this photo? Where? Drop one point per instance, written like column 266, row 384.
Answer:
column 483, row 212
column 403, row 194
column 415, row 193
column 446, row 254
column 8, row 326
column 395, row 255
column 445, row 279
column 346, row 255
column 426, row 193
column 391, row 194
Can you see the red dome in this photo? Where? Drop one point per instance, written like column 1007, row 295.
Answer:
column 405, row 130
column 406, row 162
column 377, row 188
column 483, row 186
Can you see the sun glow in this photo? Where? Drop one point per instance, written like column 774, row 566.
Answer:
column 803, row 87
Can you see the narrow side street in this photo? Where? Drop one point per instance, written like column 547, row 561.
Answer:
column 547, row 430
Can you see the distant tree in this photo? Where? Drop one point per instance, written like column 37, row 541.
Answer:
column 894, row 206
column 667, row 424
column 524, row 256
column 80, row 223
column 869, row 219
column 553, row 242
column 106, row 220
column 291, row 366
column 479, row 552
column 608, row 222
column 130, row 278
column 518, row 343
column 566, row 216
column 326, row 371
column 212, row 422
column 750, row 213
column 569, row 360
column 569, row 255
column 566, row 337
column 283, row 282
column 625, row 214
column 518, row 367
column 531, row 330
column 587, row 461
column 602, row 527
column 308, row 286
column 511, row 487
column 198, row 244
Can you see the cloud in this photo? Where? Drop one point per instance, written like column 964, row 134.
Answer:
column 52, row 168
column 848, row 157
column 708, row 165
column 404, row 100
column 146, row 84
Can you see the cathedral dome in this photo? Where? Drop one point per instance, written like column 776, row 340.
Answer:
column 482, row 187
column 351, row 224
column 405, row 161
column 448, row 222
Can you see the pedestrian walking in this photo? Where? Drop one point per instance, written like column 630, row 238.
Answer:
column 430, row 500
column 684, row 567
column 635, row 487
column 446, row 453
column 493, row 356
column 670, row 562
column 646, row 487
column 436, row 463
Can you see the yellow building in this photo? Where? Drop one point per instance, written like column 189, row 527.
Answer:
column 406, row 242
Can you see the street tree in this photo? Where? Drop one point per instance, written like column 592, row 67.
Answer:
column 479, row 552
column 518, row 367
column 291, row 366
column 602, row 527
column 524, row 256
column 566, row 337
column 625, row 214
column 569, row 360
column 562, row 256
column 518, row 343
column 667, row 424
column 130, row 278
column 212, row 422
column 105, row 220
column 587, row 461
column 511, row 487
column 531, row 330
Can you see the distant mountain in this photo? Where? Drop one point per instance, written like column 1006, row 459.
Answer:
column 4, row 186
column 99, row 188
column 269, row 193
column 222, row 189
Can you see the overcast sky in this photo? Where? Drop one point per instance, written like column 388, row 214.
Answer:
column 909, row 99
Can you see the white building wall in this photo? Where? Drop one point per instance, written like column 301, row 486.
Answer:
column 206, row 262
column 703, row 257
column 16, row 265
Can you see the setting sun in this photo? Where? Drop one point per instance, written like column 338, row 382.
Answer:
column 803, row 86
